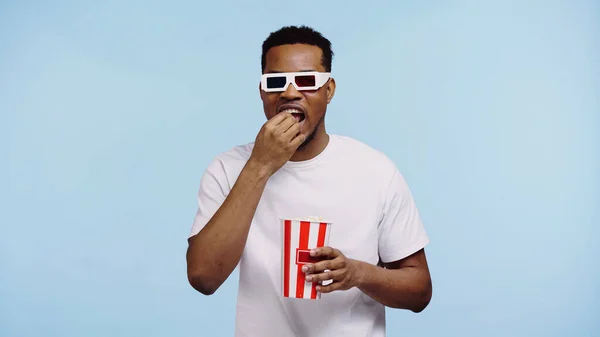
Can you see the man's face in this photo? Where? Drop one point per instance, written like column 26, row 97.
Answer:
column 311, row 104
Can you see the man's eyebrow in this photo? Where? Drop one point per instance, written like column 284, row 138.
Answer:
column 279, row 72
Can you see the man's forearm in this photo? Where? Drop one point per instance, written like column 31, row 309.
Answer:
column 216, row 250
column 408, row 287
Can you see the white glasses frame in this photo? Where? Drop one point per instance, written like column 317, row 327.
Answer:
column 320, row 79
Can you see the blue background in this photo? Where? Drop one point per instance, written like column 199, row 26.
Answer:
column 111, row 111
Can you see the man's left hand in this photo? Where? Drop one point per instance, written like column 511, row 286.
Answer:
column 345, row 273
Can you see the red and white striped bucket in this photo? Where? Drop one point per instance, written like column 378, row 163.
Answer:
column 299, row 237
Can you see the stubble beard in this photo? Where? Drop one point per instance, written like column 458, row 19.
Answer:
column 311, row 135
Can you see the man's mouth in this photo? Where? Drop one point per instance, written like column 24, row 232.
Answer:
column 297, row 114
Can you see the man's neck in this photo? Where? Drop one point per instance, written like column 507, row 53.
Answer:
column 313, row 148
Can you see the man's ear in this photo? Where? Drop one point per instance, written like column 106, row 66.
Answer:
column 260, row 91
column 330, row 89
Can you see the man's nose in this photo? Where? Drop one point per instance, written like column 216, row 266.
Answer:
column 291, row 93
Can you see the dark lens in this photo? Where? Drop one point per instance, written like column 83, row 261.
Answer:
column 306, row 81
column 276, row 82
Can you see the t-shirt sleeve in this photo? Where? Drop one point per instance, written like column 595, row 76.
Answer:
column 211, row 194
column 401, row 232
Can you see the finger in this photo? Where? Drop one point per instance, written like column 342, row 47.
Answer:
column 297, row 141
column 331, row 287
column 280, row 117
column 292, row 131
column 335, row 275
column 285, row 125
column 325, row 252
column 335, row 264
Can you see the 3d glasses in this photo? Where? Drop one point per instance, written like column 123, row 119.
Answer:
column 278, row 82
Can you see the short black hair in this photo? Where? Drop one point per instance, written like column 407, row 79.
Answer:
column 294, row 35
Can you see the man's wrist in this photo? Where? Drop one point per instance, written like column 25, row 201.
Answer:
column 258, row 170
column 366, row 273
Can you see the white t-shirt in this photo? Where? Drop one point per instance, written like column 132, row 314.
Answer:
column 374, row 216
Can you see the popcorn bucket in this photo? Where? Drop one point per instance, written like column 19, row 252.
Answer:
column 299, row 237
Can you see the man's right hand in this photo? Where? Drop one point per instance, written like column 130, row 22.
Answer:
column 216, row 250
column 276, row 142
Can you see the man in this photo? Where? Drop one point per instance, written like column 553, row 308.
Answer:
column 294, row 168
